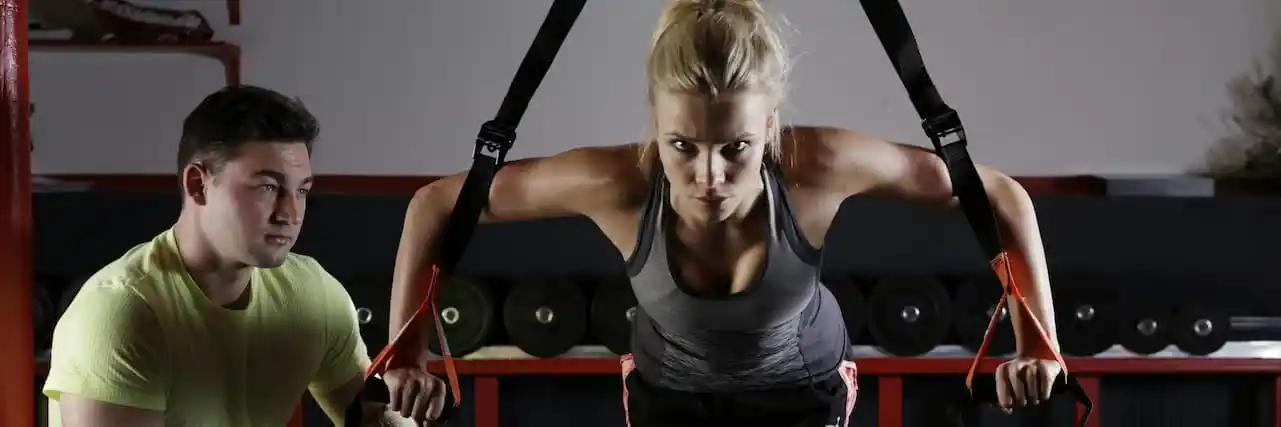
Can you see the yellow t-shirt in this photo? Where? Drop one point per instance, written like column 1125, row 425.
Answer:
column 140, row 333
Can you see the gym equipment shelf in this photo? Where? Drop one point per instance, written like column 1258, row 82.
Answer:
column 888, row 372
column 225, row 53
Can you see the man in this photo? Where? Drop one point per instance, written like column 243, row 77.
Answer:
column 214, row 322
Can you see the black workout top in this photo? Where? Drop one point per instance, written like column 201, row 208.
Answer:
column 785, row 330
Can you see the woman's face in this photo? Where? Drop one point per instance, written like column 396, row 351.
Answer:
column 712, row 149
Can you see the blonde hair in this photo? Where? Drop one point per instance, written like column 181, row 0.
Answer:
column 715, row 48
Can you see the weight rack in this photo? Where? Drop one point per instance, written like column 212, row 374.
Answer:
column 888, row 372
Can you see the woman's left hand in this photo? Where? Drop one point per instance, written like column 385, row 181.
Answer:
column 1025, row 381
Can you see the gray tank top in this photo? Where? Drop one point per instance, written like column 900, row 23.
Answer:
column 785, row 330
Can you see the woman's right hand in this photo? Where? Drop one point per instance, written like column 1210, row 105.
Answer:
column 416, row 394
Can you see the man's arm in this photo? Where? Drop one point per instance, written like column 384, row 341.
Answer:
column 341, row 373
column 108, row 367
column 77, row 411
column 858, row 164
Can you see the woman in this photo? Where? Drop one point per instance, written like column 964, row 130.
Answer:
column 720, row 218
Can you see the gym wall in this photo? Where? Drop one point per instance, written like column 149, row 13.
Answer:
column 1045, row 87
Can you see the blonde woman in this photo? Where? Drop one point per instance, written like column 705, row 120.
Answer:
column 720, row 218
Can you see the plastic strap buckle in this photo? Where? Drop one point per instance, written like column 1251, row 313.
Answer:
column 944, row 129
column 494, row 141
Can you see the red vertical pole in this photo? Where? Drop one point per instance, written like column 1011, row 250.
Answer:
column 889, row 399
column 1091, row 387
column 17, row 352
column 485, row 398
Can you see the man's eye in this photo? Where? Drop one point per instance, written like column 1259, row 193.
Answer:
column 738, row 146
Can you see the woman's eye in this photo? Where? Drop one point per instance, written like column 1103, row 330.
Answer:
column 680, row 145
column 738, row 146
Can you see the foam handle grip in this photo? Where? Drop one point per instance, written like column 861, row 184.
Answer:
column 966, row 412
column 375, row 390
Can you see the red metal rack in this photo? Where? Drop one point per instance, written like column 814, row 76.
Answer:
column 888, row 372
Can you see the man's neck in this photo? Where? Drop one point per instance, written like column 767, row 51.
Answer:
column 223, row 282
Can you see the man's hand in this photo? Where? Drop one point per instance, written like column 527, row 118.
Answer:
column 1024, row 381
column 416, row 394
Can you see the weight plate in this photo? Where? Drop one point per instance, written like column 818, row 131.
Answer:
column 545, row 318
column 973, row 307
column 1087, row 321
column 1147, row 328
column 613, row 307
column 467, row 315
column 853, row 307
column 909, row 316
column 1200, row 329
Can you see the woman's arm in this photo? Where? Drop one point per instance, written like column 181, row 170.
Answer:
column 857, row 164
column 576, row 182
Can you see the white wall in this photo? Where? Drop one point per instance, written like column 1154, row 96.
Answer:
column 1044, row 86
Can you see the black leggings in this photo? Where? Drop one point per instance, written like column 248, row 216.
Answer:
column 827, row 403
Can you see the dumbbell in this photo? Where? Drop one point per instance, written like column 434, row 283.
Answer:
column 468, row 314
column 974, row 305
column 1201, row 329
column 1087, row 313
column 612, row 312
column 545, row 317
column 909, row 315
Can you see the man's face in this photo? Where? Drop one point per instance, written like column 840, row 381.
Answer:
column 253, row 207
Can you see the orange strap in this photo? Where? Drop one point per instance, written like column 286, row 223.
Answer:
column 388, row 354
column 1003, row 265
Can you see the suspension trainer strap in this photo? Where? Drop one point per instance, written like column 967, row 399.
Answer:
column 943, row 126
column 494, row 141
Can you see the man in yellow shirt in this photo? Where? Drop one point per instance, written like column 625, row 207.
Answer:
column 214, row 322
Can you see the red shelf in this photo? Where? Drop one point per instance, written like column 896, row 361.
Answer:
column 226, row 53
column 900, row 366
column 887, row 372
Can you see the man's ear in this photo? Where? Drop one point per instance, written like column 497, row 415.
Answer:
column 195, row 179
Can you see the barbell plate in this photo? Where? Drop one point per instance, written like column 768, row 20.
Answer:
column 467, row 313
column 1148, row 326
column 1087, row 315
column 613, row 307
column 1200, row 329
column 910, row 315
column 853, row 306
column 545, row 317
column 974, row 304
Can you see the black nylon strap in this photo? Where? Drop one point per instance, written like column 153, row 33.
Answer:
column 497, row 136
column 943, row 126
column 940, row 121
column 965, row 413
column 493, row 142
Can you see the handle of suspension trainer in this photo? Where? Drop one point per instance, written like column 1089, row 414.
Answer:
column 376, row 390
column 965, row 412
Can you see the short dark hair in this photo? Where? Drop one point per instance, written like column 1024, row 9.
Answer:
column 237, row 115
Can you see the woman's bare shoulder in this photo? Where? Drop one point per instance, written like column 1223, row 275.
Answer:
column 619, row 168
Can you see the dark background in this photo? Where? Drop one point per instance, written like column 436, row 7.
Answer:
column 1171, row 249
